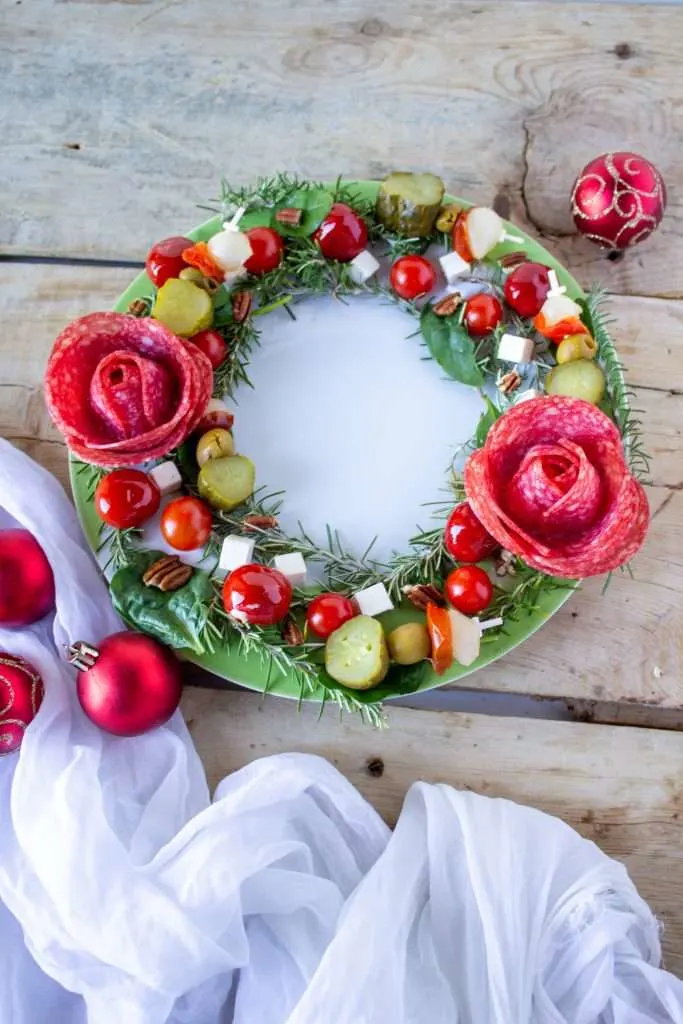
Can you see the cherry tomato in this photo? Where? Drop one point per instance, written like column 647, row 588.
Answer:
column 327, row 612
column 186, row 523
column 257, row 594
column 165, row 259
column 212, row 344
column 342, row 235
column 441, row 637
column 483, row 313
column 267, row 250
column 412, row 276
column 465, row 538
column 469, row 589
column 126, row 497
column 526, row 288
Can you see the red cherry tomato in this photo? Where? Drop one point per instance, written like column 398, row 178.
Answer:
column 483, row 313
column 186, row 523
column 342, row 235
column 257, row 594
column 469, row 589
column 465, row 538
column 327, row 612
column 412, row 276
column 212, row 344
column 165, row 259
column 267, row 250
column 126, row 497
column 441, row 637
column 526, row 288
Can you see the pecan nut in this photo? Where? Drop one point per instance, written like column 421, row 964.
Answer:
column 513, row 259
column 168, row 573
column 241, row 306
column 254, row 521
column 505, row 563
column 448, row 305
column 422, row 594
column 139, row 307
column 289, row 215
column 509, row 382
column 292, row 633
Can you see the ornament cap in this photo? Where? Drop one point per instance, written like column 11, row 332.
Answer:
column 82, row 655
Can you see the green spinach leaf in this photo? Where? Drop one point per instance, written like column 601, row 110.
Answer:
column 451, row 346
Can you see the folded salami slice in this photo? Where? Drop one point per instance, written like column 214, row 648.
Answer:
column 551, row 484
column 124, row 390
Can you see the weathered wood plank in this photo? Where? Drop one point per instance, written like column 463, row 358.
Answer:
column 634, row 813
column 506, row 100
column 627, row 646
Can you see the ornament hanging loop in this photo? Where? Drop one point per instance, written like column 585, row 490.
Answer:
column 82, row 655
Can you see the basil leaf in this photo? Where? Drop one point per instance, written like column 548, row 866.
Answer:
column 315, row 203
column 451, row 346
column 176, row 618
column 489, row 416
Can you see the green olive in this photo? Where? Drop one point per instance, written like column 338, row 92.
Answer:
column 225, row 483
column 576, row 346
column 214, row 444
column 447, row 217
column 409, row 643
column 208, row 284
column 578, row 379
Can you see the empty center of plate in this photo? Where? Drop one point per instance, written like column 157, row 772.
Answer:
column 351, row 421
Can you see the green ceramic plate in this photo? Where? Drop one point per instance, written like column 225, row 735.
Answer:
column 249, row 671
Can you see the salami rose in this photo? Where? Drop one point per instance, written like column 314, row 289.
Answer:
column 123, row 390
column 551, row 484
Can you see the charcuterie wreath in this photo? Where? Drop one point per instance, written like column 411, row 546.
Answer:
column 545, row 493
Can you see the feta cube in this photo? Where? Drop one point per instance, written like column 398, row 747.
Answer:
column 524, row 396
column 236, row 551
column 363, row 267
column 374, row 600
column 453, row 266
column 166, row 477
column 293, row 566
column 514, row 349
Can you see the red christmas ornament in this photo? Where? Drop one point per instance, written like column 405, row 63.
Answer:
column 618, row 200
column 27, row 586
column 21, row 694
column 128, row 685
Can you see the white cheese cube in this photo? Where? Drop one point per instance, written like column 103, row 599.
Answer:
column 453, row 266
column 514, row 349
column 166, row 477
column 292, row 566
column 524, row 396
column 236, row 551
column 363, row 267
column 374, row 600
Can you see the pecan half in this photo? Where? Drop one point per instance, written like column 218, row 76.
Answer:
column 509, row 382
column 422, row 594
column 505, row 563
column 289, row 215
column 254, row 521
column 168, row 573
column 447, row 305
column 139, row 307
column 513, row 259
column 241, row 306
column 292, row 633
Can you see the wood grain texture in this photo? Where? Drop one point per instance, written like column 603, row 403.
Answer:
column 627, row 646
column 120, row 117
column 621, row 787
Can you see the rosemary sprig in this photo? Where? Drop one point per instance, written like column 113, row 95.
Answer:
column 121, row 547
column 90, row 476
column 524, row 596
column 241, row 340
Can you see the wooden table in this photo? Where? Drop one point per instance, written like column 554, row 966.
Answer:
column 120, row 117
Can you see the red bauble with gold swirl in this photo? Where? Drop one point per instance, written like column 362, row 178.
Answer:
column 618, row 200
column 21, row 694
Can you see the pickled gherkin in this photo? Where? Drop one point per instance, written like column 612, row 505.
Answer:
column 408, row 204
column 356, row 654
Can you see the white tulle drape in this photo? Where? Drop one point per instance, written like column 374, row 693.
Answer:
column 127, row 896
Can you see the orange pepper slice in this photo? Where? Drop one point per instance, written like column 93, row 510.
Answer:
column 459, row 237
column 198, row 256
column 561, row 329
column 441, row 637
